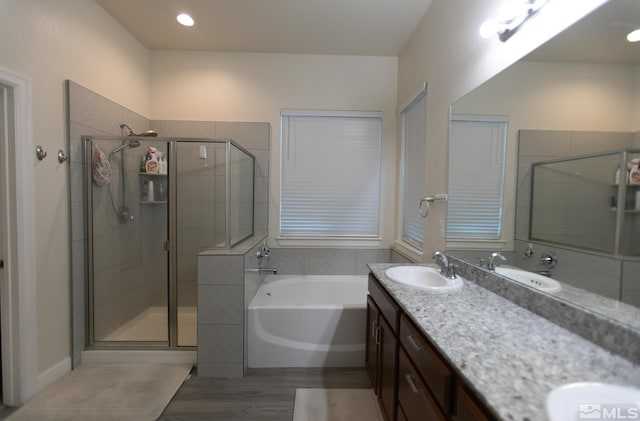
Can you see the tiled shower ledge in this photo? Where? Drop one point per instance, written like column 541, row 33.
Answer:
column 239, row 249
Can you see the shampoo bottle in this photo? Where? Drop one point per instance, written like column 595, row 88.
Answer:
column 634, row 173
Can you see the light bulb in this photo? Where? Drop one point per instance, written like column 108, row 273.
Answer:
column 634, row 36
column 185, row 19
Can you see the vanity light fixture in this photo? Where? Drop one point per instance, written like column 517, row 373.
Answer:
column 634, row 36
column 513, row 15
column 185, row 19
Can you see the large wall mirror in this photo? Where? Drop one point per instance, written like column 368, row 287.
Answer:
column 577, row 95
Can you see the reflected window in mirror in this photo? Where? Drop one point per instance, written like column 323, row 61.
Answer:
column 476, row 179
column 414, row 140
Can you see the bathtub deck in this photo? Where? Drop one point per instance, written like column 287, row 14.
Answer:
column 265, row 394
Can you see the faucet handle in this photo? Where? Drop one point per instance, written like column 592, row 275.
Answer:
column 549, row 259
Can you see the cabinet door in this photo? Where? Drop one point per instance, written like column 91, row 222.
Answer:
column 467, row 409
column 388, row 369
column 373, row 334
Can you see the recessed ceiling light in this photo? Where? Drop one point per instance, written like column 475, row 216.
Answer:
column 185, row 19
column 634, row 36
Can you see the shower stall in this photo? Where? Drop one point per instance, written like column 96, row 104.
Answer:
column 151, row 205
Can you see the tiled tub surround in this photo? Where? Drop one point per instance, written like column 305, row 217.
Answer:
column 225, row 291
column 509, row 356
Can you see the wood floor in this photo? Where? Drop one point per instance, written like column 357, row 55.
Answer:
column 263, row 394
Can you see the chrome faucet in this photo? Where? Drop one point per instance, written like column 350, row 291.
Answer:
column 490, row 264
column 447, row 269
column 263, row 253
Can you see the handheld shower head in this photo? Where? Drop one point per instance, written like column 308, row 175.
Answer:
column 128, row 144
column 148, row 133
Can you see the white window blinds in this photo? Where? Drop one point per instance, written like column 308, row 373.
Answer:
column 414, row 140
column 330, row 174
column 476, row 177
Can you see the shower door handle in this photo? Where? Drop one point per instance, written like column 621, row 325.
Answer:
column 1, row 263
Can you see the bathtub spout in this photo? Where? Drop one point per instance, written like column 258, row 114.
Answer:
column 263, row 270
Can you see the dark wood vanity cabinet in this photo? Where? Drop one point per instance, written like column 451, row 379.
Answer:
column 382, row 347
column 412, row 380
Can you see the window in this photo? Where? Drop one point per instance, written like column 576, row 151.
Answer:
column 414, row 140
column 476, row 177
column 330, row 174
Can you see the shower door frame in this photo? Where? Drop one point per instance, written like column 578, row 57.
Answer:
column 171, row 240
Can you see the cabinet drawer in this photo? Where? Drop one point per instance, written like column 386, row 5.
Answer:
column 387, row 305
column 414, row 400
column 435, row 372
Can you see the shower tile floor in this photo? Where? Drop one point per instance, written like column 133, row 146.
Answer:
column 151, row 325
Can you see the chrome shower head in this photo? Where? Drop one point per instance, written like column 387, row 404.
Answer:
column 148, row 133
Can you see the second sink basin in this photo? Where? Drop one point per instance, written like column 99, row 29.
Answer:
column 592, row 400
column 422, row 277
column 532, row 279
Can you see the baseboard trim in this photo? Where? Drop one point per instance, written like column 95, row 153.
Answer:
column 54, row 373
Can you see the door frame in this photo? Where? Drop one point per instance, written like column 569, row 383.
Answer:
column 18, row 304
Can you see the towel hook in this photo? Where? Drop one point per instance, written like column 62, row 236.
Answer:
column 62, row 156
column 40, row 153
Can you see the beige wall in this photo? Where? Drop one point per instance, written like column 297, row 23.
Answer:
column 47, row 42
column 447, row 52
column 255, row 87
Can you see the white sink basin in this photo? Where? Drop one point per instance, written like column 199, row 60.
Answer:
column 541, row 282
column 580, row 401
column 422, row 277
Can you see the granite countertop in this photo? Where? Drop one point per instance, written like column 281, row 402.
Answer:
column 511, row 357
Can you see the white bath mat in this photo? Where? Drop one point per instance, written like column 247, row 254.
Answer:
column 336, row 405
column 107, row 392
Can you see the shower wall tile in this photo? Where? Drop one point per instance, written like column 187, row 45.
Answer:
column 93, row 110
column 77, row 186
column 261, row 216
column 177, row 128
column 330, row 261
column 262, row 162
column 248, row 135
column 220, row 304
column 220, row 344
column 591, row 142
column 545, row 142
column 230, row 371
column 366, row 256
column 261, row 192
column 220, row 270
column 137, row 122
column 288, row 261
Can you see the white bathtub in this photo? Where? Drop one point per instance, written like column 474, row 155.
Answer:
column 308, row 321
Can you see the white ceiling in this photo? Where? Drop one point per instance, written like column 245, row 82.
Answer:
column 598, row 38
column 353, row 27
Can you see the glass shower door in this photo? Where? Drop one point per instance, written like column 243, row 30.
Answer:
column 127, row 220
